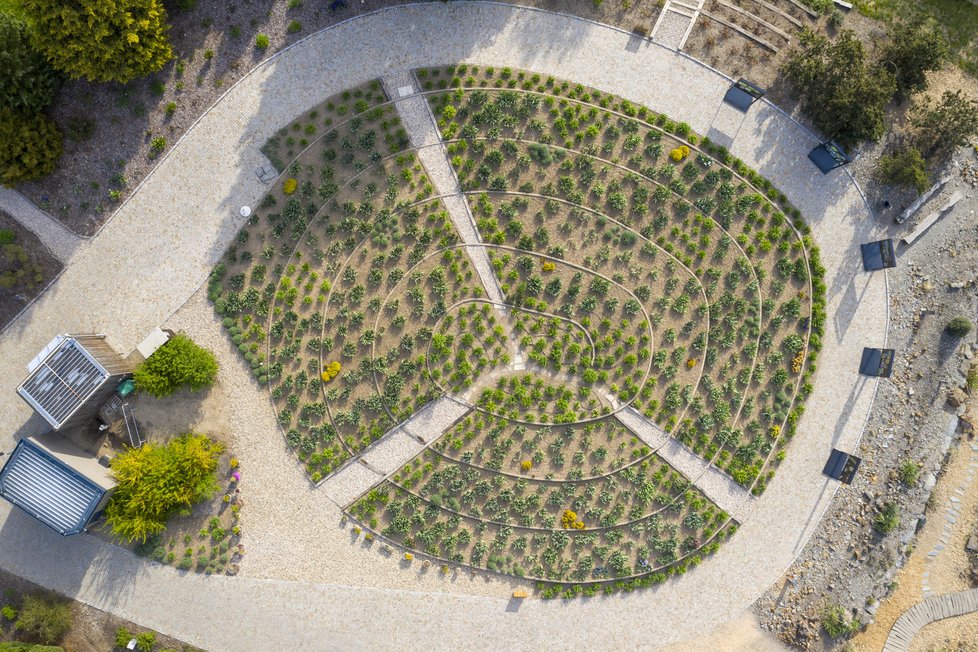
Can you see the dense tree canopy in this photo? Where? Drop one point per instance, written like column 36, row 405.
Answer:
column 155, row 481
column 914, row 48
column 27, row 79
column 30, row 146
column 102, row 40
column 845, row 96
column 948, row 124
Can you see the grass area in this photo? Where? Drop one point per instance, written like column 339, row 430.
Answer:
column 959, row 19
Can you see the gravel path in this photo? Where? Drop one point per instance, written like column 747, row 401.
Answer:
column 54, row 235
column 148, row 260
column 671, row 28
column 714, row 483
column 952, row 512
column 420, row 125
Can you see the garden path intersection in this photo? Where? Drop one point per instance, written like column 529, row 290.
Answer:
column 299, row 583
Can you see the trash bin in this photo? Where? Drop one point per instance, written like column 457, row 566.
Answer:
column 125, row 388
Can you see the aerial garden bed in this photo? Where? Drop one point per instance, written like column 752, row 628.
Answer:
column 640, row 266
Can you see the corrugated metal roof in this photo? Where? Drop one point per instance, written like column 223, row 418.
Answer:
column 48, row 489
column 62, row 383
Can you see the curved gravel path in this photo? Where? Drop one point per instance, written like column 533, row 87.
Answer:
column 319, row 585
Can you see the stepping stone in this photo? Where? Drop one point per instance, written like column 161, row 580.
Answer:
column 404, row 91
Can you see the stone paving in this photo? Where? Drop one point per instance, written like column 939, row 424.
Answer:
column 394, row 449
column 61, row 242
column 420, row 125
column 163, row 242
column 714, row 483
column 930, row 610
column 952, row 512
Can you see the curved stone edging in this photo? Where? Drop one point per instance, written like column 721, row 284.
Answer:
column 930, row 610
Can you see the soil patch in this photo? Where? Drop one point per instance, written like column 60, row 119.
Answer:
column 30, row 261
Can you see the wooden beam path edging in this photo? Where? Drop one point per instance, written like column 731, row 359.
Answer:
column 742, row 31
column 751, row 16
column 930, row 610
column 784, row 14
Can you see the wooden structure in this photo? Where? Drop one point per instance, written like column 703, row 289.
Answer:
column 71, row 378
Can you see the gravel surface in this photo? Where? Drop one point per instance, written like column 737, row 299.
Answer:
column 847, row 562
column 179, row 224
column 420, row 125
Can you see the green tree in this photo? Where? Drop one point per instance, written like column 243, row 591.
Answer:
column 904, row 167
column 155, row 481
column 180, row 362
column 944, row 126
column 47, row 618
column 30, row 146
column 842, row 94
column 27, row 79
column 913, row 49
column 101, row 40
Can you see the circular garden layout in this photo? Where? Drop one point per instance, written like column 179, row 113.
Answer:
column 641, row 268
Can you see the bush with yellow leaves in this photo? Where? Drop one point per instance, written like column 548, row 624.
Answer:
column 331, row 371
column 797, row 362
column 679, row 153
column 289, row 186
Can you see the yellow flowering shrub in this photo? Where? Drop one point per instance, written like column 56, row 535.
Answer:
column 569, row 521
column 690, row 363
column 331, row 371
column 526, row 465
column 549, row 266
column 679, row 153
column 797, row 362
column 289, row 186
column 775, row 431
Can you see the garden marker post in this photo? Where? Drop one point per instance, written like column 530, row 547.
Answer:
column 743, row 94
column 829, row 156
column 877, row 362
column 878, row 255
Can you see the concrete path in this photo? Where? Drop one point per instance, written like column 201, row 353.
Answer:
column 399, row 445
column 714, row 483
column 930, row 610
column 61, row 242
column 163, row 242
column 420, row 125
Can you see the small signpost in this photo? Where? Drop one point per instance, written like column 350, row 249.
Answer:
column 829, row 156
column 878, row 255
column 743, row 94
column 877, row 362
column 841, row 466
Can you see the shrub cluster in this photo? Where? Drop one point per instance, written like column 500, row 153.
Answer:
column 178, row 363
column 155, row 481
